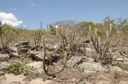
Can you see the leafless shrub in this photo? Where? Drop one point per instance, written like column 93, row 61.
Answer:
column 37, row 37
column 102, row 47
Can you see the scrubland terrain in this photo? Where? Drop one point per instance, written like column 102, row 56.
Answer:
column 82, row 53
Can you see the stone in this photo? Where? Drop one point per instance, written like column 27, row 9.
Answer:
column 23, row 50
column 57, row 46
column 13, row 49
column 4, row 64
column 92, row 67
column 74, row 60
column 49, row 47
column 36, row 55
column 4, row 57
column 36, row 65
column 14, row 54
column 22, row 43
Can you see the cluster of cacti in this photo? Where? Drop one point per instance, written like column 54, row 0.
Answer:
column 72, row 40
column 37, row 36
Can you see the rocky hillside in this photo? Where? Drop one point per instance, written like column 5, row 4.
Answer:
column 65, row 56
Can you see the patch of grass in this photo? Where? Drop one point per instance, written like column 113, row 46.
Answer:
column 20, row 69
column 123, row 66
column 79, row 67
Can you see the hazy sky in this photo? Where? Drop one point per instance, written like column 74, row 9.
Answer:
column 29, row 13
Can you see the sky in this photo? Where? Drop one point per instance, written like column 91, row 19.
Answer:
column 29, row 13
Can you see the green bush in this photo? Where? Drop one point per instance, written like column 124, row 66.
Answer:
column 79, row 67
column 123, row 66
column 20, row 69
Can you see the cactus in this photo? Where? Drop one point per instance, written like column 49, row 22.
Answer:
column 64, row 53
column 1, row 33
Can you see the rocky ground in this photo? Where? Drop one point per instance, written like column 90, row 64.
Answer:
column 80, row 68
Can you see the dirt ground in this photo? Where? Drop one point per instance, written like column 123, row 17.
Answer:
column 69, row 76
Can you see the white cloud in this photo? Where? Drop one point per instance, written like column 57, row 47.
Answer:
column 9, row 19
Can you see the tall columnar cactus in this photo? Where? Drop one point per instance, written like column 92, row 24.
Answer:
column 64, row 55
column 1, row 32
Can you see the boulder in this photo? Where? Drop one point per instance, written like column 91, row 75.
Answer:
column 57, row 46
column 23, row 50
column 13, row 49
column 36, row 65
column 36, row 55
column 4, row 64
column 14, row 54
column 74, row 60
column 91, row 67
column 49, row 47
column 22, row 43
column 4, row 57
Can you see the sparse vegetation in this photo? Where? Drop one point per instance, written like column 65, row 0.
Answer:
column 103, row 45
column 18, row 69
column 123, row 66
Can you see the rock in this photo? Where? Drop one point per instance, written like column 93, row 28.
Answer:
column 37, row 48
column 22, row 50
column 57, row 46
column 121, row 59
column 49, row 47
column 36, row 55
column 4, row 57
column 22, row 43
column 74, row 60
column 14, row 54
column 89, row 51
column 36, row 65
column 4, row 64
column 92, row 67
column 13, row 49
column 23, row 47
column 115, row 68
column 87, row 41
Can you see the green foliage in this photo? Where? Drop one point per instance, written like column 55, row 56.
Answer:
column 1, row 33
column 52, row 30
column 79, row 67
column 10, row 34
column 19, row 69
column 123, row 66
